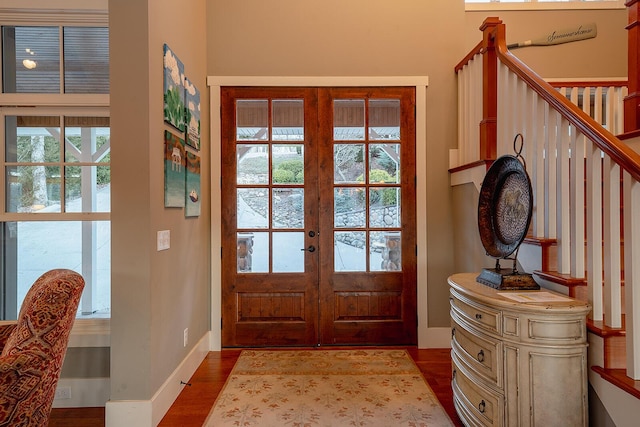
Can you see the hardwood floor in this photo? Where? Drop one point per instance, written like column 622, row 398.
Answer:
column 194, row 403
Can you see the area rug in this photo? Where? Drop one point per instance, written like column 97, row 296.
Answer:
column 335, row 388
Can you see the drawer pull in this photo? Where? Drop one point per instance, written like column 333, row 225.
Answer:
column 453, row 374
column 478, row 316
column 481, row 356
column 482, row 407
column 453, row 332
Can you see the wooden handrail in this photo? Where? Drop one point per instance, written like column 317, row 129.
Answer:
column 620, row 152
column 475, row 51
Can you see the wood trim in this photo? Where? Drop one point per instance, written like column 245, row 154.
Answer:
column 475, row 51
column 489, row 122
column 619, row 378
column 632, row 101
column 620, row 152
column 487, row 163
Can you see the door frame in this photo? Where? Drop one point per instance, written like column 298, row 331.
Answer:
column 420, row 83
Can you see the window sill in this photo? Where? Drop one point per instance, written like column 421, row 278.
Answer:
column 95, row 332
column 91, row 333
column 477, row 7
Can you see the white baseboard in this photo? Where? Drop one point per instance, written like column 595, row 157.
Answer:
column 143, row 413
column 84, row 392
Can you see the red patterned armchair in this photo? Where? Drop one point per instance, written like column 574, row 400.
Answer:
column 33, row 348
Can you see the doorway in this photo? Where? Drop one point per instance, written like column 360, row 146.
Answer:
column 318, row 216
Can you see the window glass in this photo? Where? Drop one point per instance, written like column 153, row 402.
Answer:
column 86, row 60
column 56, row 162
column 33, row 247
column 31, row 59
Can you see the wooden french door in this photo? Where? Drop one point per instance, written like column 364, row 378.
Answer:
column 319, row 216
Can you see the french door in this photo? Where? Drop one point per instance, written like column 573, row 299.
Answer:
column 318, row 216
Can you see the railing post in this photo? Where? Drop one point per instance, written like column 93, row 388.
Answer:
column 488, row 125
column 632, row 101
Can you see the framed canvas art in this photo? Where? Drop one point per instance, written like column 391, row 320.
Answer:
column 174, row 170
column 174, row 110
column 193, row 114
column 192, row 199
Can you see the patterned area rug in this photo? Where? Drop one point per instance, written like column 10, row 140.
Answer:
column 326, row 388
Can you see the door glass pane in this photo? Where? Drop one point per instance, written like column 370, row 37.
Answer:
column 253, row 252
column 349, row 251
column 384, row 163
column 384, row 119
column 288, row 208
column 385, row 251
column 252, row 120
column 31, row 59
column 253, row 163
column 288, row 164
column 384, row 207
column 287, row 255
column 349, row 207
column 348, row 120
column 288, row 120
column 253, row 207
column 86, row 60
column 348, row 163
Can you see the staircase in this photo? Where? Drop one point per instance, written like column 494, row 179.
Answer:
column 584, row 239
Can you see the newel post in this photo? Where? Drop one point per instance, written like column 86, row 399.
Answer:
column 488, row 125
column 632, row 101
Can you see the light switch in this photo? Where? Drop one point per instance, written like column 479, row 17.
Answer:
column 164, row 240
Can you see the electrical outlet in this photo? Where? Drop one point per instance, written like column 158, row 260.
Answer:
column 164, row 240
column 62, row 393
column 186, row 336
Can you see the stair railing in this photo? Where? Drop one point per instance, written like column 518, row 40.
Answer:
column 576, row 167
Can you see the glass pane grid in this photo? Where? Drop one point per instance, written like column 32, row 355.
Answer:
column 270, row 185
column 367, row 217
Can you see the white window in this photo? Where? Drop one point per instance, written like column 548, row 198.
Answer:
column 55, row 158
column 542, row 4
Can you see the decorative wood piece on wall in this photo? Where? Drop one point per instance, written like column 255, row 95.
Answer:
column 174, row 171
column 192, row 199
column 192, row 119
column 174, row 90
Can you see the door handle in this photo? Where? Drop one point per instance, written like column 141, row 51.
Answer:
column 311, row 248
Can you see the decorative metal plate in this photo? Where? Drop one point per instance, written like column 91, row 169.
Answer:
column 504, row 208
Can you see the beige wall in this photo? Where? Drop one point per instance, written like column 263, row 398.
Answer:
column 155, row 295
column 603, row 56
column 360, row 38
column 378, row 37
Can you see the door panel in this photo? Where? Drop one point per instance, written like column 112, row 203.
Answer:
column 269, row 199
column 318, row 208
column 367, row 220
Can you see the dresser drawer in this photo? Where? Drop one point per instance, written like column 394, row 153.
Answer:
column 476, row 314
column 480, row 352
column 482, row 406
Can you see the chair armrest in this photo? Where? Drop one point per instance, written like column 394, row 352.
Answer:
column 5, row 330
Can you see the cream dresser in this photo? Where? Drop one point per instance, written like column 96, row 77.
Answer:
column 517, row 363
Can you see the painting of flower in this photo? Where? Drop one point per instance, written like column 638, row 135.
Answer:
column 193, row 114
column 174, row 102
